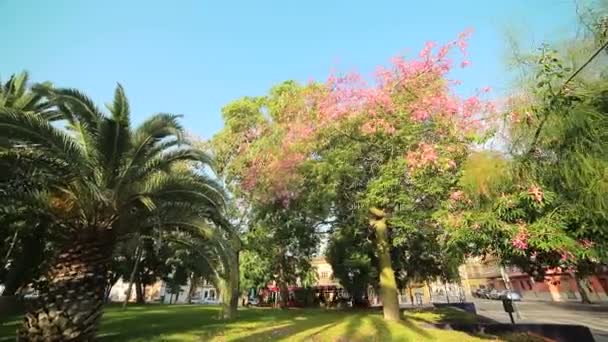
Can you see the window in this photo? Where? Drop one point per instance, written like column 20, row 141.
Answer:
column 324, row 275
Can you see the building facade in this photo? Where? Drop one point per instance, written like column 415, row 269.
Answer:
column 558, row 285
column 159, row 293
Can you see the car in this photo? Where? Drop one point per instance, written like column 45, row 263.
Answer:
column 253, row 301
column 480, row 293
column 493, row 294
column 510, row 294
column 207, row 300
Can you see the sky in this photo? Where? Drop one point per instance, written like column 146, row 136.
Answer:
column 193, row 57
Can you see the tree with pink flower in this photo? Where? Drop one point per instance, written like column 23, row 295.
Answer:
column 378, row 154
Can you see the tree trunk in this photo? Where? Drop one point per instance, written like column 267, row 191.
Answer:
column 139, row 291
column 388, row 284
column 192, row 289
column 24, row 266
column 11, row 248
column 581, row 289
column 411, row 295
column 234, row 287
column 70, row 304
column 447, row 294
column 132, row 277
column 230, row 287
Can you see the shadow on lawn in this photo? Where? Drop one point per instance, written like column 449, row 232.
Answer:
column 143, row 322
column 149, row 323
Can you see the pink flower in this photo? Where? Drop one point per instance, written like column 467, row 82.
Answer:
column 451, row 164
column 514, row 117
column 465, row 63
column 420, row 115
column 456, row 195
column 426, row 51
column 429, row 154
column 520, row 241
column 586, row 243
column 486, row 89
column 537, row 193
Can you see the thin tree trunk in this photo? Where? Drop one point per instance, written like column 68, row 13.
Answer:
column 192, row 289
column 131, row 277
column 283, row 289
column 411, row 295
column 581, row 289
column 388, row 284
column 428, row 287
column 24, row 266
column 70, row 304
column 11, row 247
column 447, row 295
column 139, row 292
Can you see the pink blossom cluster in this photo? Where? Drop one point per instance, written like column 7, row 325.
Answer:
column 457, row 195
column 586, row 243
column 424, row 155
column 520, row 241
column 565, row 255
column 537, row 193
column 377, row 125
column 417, row 87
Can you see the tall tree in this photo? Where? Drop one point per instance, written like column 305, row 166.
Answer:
column 392, row 149
column 103, row 177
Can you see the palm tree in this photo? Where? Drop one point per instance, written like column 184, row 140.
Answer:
column 103, row 180
column 24, row 250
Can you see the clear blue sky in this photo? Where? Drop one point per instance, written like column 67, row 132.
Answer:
column 193, row 57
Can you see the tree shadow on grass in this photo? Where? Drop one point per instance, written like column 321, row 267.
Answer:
column 296, row 324
column 415, row 328
column 152, row 321
column 352, row 327
column 450, row 319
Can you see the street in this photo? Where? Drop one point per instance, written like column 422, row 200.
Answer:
column 593, row 316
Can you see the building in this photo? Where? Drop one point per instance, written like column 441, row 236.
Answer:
column 159, row 293
column 558, row 285
column 415, row 294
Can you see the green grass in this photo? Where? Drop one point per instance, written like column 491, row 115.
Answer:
column 152, row 323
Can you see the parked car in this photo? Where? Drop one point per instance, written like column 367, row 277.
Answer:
column 512, row 295
column 493, row 294
column 480, row 293
column 206, row 301
column 253, row 301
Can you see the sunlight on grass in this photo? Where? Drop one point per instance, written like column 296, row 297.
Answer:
column 201, row 323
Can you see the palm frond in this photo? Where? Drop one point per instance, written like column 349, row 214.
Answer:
column 28, row 128
column 120, row 107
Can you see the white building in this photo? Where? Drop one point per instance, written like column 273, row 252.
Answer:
column 204, row 293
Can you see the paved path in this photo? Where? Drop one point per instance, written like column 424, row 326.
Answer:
column 594, row 316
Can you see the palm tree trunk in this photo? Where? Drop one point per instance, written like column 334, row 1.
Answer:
column 71, row 299
column 388, row 284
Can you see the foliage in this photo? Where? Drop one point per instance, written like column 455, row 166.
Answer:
column 94, row 180
column 542, row 205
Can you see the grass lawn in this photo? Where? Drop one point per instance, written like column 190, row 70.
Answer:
column 199, row 323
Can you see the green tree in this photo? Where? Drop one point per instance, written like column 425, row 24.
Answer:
column 103, row 177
